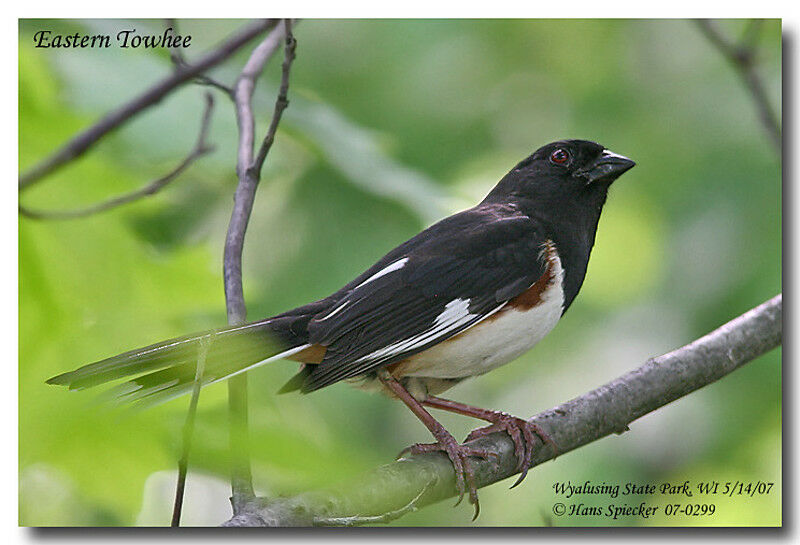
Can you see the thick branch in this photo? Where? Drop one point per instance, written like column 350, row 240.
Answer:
column 596, row 414
column 86, row 139
column 742, row 57
column 249, row 174
column 201, row 147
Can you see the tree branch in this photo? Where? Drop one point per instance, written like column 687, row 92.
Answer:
column 249, row 173
column 177, row 58
column 201, row 147
column 428, row 478
column 281, row 103
column 86, row 139
column 742, row 57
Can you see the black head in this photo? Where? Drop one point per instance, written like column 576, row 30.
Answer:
column 563, row 179
column 563, row 187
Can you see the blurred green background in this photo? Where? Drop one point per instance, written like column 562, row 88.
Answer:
column 392, row 125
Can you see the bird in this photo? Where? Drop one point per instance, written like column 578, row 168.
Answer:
column 468, row 294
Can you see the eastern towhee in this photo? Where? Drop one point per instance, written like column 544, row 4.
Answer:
column 468, row 294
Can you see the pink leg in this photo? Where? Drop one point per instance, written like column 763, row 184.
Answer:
column 465, row 478
column 521, row 431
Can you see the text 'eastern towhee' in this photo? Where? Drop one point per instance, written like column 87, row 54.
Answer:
column 468, row 294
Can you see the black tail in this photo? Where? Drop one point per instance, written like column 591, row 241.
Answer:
column 168, row 369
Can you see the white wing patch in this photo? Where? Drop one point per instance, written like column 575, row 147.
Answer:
column 453, row 311
column 396, row 266
column 334, row 311
column 454, row 316
column 498, row 342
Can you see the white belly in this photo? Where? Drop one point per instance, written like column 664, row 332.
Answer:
column 492, row 342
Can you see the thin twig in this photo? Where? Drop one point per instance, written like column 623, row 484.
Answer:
column 211, row 82
column 201, row 148
column 280, row 104
column 177, row 58
column 188, row 431
column 175, row 53
column 604, row 411
column 743, row 58
column 241, row 476
column 79, row 144
column 243, row 96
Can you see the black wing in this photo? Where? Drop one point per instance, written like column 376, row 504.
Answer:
column 434, row 286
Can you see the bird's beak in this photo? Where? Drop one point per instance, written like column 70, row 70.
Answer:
column 608, row 167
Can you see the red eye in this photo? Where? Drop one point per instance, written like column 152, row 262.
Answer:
column 560, row 156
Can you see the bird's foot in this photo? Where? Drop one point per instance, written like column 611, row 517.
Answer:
column 523, row 433
column 458, row 454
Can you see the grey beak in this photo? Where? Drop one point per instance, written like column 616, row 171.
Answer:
column 608, row 167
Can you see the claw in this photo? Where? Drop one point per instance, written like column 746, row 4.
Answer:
column 458, row 454
column 522, row 475
column 407, row 450
column 523, row 434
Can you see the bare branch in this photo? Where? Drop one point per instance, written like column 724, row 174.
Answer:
column 177, row 58
column 243, row 96
column 201, row 148
column 742, row 57
column 241, row 479
column 609, row 409
column 281, row 103
column 211, row 82
column 86, row 139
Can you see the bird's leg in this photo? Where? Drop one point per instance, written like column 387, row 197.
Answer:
column 521, row 431
column 465, row 478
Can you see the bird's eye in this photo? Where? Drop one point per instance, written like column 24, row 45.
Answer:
column 560, row 156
